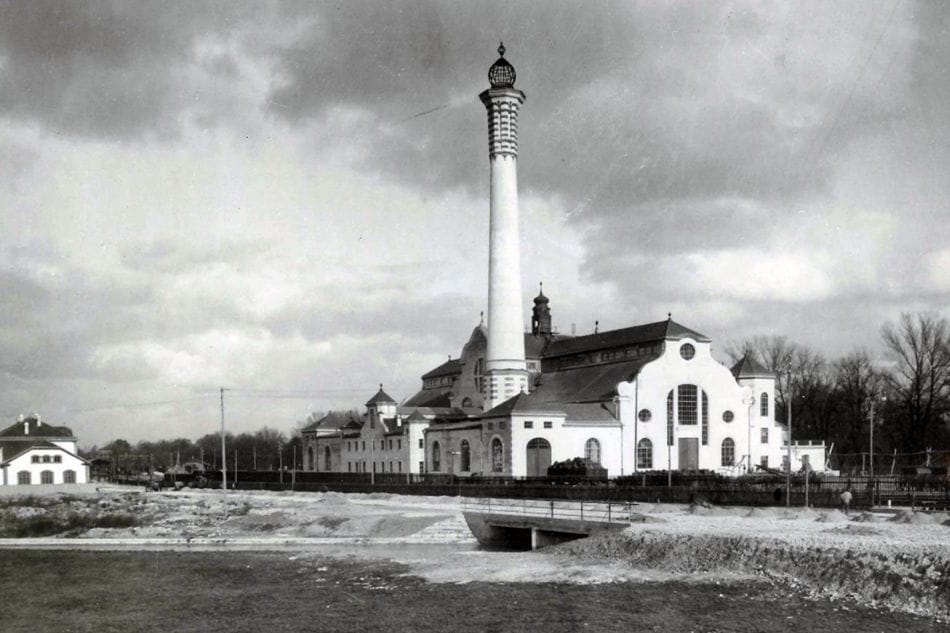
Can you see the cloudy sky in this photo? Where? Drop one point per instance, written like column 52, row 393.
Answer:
column 290, row 200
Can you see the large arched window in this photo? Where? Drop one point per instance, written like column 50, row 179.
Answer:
column 538, row 457
column 327, row 458
column 592, row 451
column 467, row 403
column 436, row 457
column 466, row 460
column 764, row 405
column 644, row 453
column 69, row 476
column 686, row 408
column 23, row 478
column 46, row 477
column 497, row 456
column 728, row 452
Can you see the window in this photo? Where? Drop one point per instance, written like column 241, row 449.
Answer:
column 466, row 403
column 46, row 477
column 764, row 461
column 728, row 416
column 501, row 425
column 436, row 457
column 728, row 452
column 764, row 405
column 399, row 465
column 364, row 445
column 645, row 415
column 399, row 445
column 686, row 407
column 35, row 459
column 310, row 465
column 784, row 462
column 421, row 445
column 644, row 453
column 491, row 426
column 390, row 466
column 327, row 458
column 765, row 436
column 687, row 351
column 349, row 467
column 592, row 451
column 69, row 476
column 466, row 461
column 23, row 478
column 57, row 459
column 705, row 420
column 528, row 424
column 669, row 418
column 497, row 456
column 422, row 467
column 547, row 424
column 47, row 459
column 390, row 445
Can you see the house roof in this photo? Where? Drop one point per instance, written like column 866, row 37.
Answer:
column 334, row 420
column 429, row 398
column 590, row 383
column 659, row 331
column 521, row 403
column 36, row 429
column 451, row 367
column 748, row 367
column 381, row 397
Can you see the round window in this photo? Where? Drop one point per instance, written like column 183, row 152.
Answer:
column 644, row 415
column 727, row 416
column 687, row 351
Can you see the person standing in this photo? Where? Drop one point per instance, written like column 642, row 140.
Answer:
column 846, row 497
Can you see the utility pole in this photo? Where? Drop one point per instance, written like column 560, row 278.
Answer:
column 224, row 461
column 788, row 473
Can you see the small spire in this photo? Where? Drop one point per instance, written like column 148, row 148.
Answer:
column 481, row 318
column 596, row 326
column 669, row 316
column 501, row 49
column 380, row 386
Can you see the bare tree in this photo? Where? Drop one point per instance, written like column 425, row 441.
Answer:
column 856, row 382
column 920, row 381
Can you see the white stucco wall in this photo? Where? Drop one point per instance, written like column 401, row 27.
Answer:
column 650, row 388
column 25, row 462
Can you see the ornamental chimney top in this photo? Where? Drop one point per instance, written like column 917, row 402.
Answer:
column 501, row 74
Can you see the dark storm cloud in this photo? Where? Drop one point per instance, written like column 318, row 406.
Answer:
column 102, row 69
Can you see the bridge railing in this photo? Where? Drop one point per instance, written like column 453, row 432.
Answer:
column 552, row 509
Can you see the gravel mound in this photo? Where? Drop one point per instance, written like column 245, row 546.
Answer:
column 913, row 518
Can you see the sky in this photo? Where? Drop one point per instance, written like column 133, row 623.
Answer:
column 290, row 200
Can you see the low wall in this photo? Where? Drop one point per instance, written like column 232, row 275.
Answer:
column 45, row 489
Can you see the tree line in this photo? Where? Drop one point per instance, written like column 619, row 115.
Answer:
column 907, row 396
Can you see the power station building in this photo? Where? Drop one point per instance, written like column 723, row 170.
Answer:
column 647, row 397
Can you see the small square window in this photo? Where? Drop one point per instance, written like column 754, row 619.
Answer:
column 36, row 459
column 421, row 443
column 491, row 426
column 547, row 424
column 528, row 424
column 57, row 459
column 765, row 436
column 501, row 426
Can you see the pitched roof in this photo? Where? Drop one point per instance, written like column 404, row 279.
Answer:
column 748, row 367
column 335, row 420
column 450, row 367
column 591, row 383
column 381, row 397
column 36, row 429
column 521, row 403
column 429, row 398
column 659, row 331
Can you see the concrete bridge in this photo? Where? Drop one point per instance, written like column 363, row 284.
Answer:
column 534, row 523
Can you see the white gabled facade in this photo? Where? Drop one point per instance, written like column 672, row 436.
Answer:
column 34, row 453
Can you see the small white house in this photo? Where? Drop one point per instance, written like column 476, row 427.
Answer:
column 34, row 453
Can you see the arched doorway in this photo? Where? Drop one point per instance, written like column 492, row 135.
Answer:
column 539, row 457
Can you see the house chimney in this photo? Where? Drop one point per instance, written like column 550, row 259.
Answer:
column 19, row 418
column 26, row 427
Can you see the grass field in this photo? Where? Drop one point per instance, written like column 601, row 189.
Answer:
column 148, row 592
